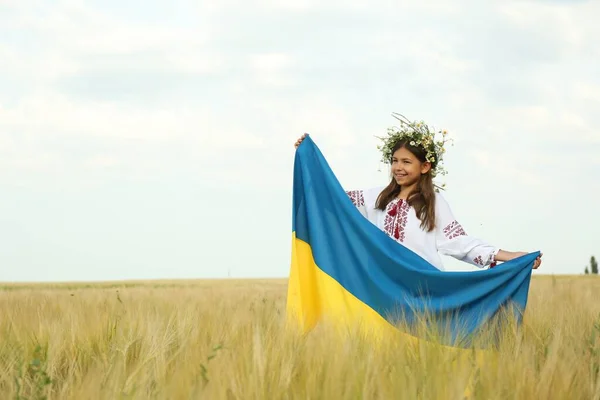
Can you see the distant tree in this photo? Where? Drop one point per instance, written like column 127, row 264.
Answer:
column 594, row 265
column 586, row 270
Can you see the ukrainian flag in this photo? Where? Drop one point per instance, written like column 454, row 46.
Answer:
column 345, row 269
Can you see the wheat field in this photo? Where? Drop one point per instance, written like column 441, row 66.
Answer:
column 228, row 340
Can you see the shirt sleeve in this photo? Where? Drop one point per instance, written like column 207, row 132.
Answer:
column 452, row 240
column 358, row 199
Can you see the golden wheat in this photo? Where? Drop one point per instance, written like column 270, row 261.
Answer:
column 227, row 340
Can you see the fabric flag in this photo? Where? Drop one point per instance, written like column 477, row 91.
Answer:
column 347, row 270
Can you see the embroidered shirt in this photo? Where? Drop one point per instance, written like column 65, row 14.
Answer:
column 400, row 222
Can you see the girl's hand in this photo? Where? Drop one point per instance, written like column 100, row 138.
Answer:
column 510, row 255
column 538, row 261
column 300, row 140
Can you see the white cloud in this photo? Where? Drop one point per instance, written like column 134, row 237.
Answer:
column 509, row 170
column 78, row 38
column 567, row 23
column 587, row 92
column 270, row 68
column 48, row 113
column 102, row 161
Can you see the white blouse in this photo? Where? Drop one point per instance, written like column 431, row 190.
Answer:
column 400, row 222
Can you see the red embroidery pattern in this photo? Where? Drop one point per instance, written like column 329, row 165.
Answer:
column 357, row 197
column 454, row 229
column 491, row 261
column 396, row 219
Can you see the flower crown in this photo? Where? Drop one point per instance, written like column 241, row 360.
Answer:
column 419, row 135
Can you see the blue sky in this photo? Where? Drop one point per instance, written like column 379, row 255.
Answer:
column 155, row 140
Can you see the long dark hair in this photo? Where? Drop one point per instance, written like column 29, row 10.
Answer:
column 422, row 199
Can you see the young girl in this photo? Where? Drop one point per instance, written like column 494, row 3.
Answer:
column 412, row 212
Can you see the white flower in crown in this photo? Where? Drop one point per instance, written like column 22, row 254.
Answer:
column 419, row 134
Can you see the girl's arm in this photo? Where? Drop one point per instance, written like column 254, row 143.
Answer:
column 509, row 255
column 504, row 255
column 452, row 240
column 357, row 197
column 364, row 199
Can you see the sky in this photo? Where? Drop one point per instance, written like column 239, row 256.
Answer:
column 151, row 140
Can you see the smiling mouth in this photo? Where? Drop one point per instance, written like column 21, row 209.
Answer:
column 400, row 175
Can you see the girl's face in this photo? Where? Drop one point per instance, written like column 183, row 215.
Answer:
column 406, row 168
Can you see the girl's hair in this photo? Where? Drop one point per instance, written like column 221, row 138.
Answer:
column 422, row 199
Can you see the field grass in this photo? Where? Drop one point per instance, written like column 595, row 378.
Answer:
column 227, row 340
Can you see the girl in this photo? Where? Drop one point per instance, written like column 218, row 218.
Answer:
column 412, row 212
